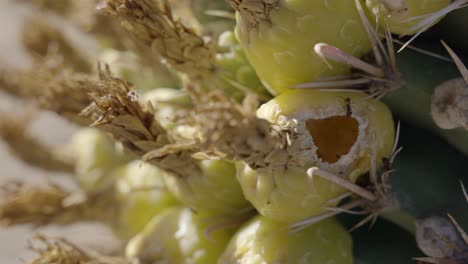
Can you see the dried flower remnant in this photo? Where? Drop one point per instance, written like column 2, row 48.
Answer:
column 229, row 130
column 60, row 7
column 43, row 40
column 154, row 26
column 26, row 204
column 52, row 88
column 23, row 145
column 61, row 251
column 254, row 11
column 116, row 109
column 449, row 108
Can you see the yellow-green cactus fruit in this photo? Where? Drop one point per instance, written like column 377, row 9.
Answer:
column 404, row 15
column 215, row 190
column 265, row 241
column 278, row 38
column 237, row 74
column 344, row 131
column 141, row 194
column 178, row 236
column 96, row 155
column 167, row 101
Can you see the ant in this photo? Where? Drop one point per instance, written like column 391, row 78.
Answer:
column 349, row 111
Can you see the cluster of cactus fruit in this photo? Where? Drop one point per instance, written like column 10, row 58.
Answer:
column 290, row 125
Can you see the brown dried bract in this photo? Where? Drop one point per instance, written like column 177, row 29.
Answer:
column 116, row 109
column 61, row 251
column 52, row 87
column 43, row 40
column 27, row 204
column 27, row 148
column 229, row 130
column 152, row 24
column 254, row 11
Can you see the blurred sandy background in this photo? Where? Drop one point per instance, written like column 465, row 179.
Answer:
column 51, row 130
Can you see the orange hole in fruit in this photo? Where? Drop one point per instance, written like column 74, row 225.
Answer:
column 334, row 136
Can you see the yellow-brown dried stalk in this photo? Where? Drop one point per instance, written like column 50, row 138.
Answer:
column 61, row 251
column 52, row 88
column 154, row 27
column 116, row 109
column 27, row 148
column 23, row 203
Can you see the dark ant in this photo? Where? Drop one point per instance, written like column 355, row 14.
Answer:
column 349, row 111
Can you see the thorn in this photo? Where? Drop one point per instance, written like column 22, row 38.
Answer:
column 333, row 53
column 461, row 67
column 342, row 182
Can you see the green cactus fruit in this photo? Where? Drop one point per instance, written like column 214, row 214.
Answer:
column 215, row 190
column 168, row 102
column 262, row 240
column 237, row 74
column 279, row 38
column 342, row 139
column 412, row 102
column 177, row 236
column 142, row 194
column 403, row 16
column 96, row 156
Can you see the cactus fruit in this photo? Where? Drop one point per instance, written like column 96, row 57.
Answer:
column 279, row 40
column 262, row 240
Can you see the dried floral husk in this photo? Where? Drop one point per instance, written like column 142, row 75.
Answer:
column 153, row 25
column 403, row 16
column 437, row 238
column 449, row 107
column 61, row 251
column 287, row 193
column 41, row 40
column 140, row 195
column 51, row 87
column 412, row 102
column 278, row 38
column 26, row 147
column 263, row 240
column 116, row 109
column 52, row 204
column 178, row 235
column 183, row 49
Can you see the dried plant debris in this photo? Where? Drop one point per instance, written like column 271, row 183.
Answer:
column 153, row 25
column 61, row 251
column 51, row 87
column 27, row 148
column 116, row 109
column 23, row 203
column 449, row 107
column 229, row 130
column 43, row 40
column 439, row 239
column 254, row 11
